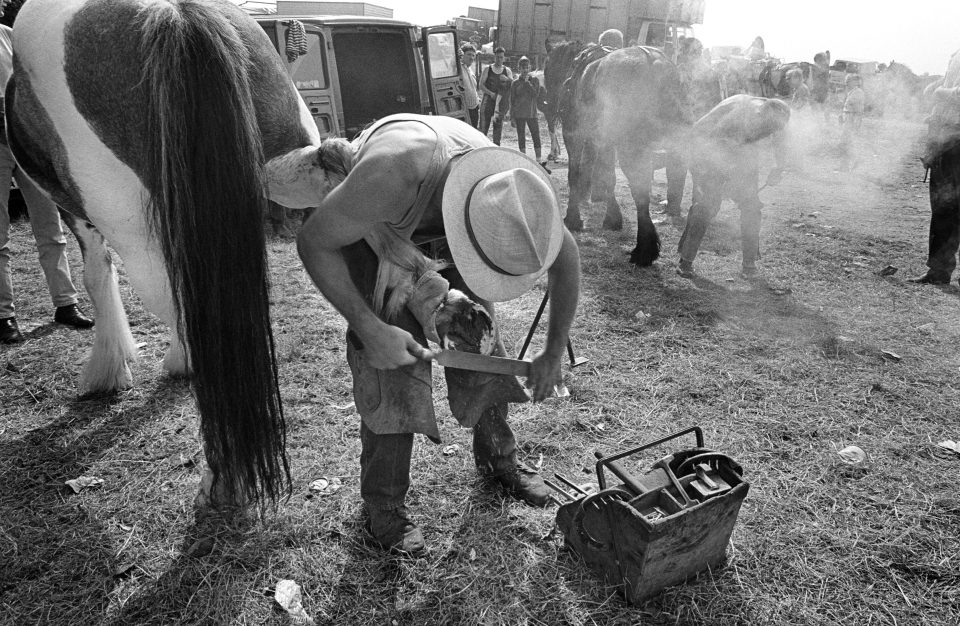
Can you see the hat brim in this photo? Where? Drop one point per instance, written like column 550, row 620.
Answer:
column 483, row 280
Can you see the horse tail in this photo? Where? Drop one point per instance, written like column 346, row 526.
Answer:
column 204, row 172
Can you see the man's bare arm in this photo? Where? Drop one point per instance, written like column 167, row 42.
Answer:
column 373, row 193
column 564, row 285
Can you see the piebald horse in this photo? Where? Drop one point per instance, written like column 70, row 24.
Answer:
column 151, row 123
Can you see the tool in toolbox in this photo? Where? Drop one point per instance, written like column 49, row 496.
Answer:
column 658, row 529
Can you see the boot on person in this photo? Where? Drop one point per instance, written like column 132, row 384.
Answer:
column 393, row 530
column 495, row 452
column 71, row 315
column 9, row 331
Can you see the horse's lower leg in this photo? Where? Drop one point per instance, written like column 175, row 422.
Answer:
column 576, row 182
column 676, row 181
column 107, row 368
column 638, row 168
column 605, row 181
column 554, row 141
column 149, row 279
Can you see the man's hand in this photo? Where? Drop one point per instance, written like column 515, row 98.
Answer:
column 544, row 375
column 387, row 347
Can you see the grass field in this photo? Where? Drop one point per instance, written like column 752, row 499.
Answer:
column 780, row 375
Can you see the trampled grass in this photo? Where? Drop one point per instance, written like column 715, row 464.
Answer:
column 780, row 381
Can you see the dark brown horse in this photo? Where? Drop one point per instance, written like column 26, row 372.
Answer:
column 618, row 107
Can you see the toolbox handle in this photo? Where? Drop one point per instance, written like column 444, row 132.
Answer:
column 609, row 460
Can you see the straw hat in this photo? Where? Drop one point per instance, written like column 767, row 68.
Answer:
column 502, row 220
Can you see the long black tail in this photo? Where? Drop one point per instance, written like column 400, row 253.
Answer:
column 206, row 180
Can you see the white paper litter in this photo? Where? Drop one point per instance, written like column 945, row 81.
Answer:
column 83, row 482
column 288, row 596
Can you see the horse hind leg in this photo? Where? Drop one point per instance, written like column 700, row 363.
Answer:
column 578, row 183
column 605, row 184
column 107, row 368
column 637, row 166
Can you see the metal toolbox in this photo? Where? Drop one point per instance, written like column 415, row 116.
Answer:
column 658, row 529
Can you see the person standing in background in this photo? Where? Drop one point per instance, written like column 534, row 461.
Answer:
column 851, row 119
column 942, row 157
column 799, row 92
column 495, row 80
column 471, row 99
column 47, row 230
column 521, row 105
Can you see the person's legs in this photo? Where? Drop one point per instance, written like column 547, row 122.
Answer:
column 474, row 114
column 384, row 481
column 746, row 195
column 707, row 197
column 7, row 165
column 497, row 129
column 944, row 239
column 534, row 126
column 487, row 106
column 393, row 404
column 522, row 135
column 51, row 242
column 482, row 401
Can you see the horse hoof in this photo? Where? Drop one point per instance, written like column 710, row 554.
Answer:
column 95, row 381
column 613, row 224
column 643, row 258
column 211, row 501
column 175, row 361
column 574, row 225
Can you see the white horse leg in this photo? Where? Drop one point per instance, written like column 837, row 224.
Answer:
column 554, row 145
column 113, row 347
column 148, row 276
column 175, row 360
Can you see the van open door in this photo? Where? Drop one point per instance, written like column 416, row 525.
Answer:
column 310, row 72
column 442, row 62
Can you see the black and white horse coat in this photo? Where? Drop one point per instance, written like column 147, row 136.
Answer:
column 151, row 122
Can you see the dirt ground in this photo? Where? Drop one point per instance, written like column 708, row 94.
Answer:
column 780, row 374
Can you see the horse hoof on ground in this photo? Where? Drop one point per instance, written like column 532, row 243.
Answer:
column 175, row 361
column 215, row 502
column 613, row 223
column 644, row 257
column 574, row 225
column 97, row 380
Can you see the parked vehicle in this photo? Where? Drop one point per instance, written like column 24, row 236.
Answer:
column 525, row 25
column 358, row 69
column 867, row 70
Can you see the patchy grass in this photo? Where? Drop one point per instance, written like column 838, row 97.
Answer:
column 780, row 382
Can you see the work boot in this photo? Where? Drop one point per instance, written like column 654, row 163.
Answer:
column 71, row 315
column 393, row 530
column 495, row 452
column 931, row 278
column 9, row 331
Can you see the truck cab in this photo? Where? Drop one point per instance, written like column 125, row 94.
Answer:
column 352, row 70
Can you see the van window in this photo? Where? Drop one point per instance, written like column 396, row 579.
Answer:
column 443, row 55
column 309, row 71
